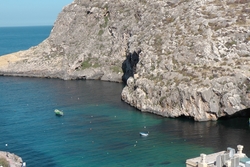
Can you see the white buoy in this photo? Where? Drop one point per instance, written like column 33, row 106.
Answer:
column 6, row 145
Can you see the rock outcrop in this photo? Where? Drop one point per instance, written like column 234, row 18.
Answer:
column 194, row 60
column 10, row 159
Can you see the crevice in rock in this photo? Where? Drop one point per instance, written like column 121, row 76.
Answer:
column 184, row 117
column 81, row 78
column 129, row 65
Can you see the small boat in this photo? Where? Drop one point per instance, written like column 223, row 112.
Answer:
column 143, row 134
column 58, row 112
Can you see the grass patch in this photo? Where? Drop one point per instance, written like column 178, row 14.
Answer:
column 105, row 24
column 106, row 20
column 230, row 44
column 116, row 69
column 100, row 32
column 87, row 64
column 158, row 42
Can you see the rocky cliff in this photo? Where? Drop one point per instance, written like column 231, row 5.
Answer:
column 194, row 57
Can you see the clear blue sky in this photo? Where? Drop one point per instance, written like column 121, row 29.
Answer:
column 30, row 12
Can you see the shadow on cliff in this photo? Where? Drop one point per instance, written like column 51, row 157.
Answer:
column 239, row 120
column 241, row 113
column 129, row 65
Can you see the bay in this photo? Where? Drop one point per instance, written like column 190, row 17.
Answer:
column 98, row 129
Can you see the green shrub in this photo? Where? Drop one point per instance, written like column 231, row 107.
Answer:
column 116, row 69
column 100, row 32
column 105, row 24
column 87, row 64
column 230, row 44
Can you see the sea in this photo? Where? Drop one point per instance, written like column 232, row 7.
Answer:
column 97, row 129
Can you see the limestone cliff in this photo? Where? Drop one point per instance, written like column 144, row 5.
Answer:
column 194, row 59
column 10, row 159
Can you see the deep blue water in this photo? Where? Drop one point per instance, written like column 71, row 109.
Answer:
column 13, row 39
column 98, row 129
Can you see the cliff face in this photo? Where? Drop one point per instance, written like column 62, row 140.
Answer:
column 194, row 59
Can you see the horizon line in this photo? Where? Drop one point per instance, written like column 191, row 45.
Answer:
column 25, row 26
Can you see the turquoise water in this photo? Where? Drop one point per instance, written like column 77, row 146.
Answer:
column 98, row 129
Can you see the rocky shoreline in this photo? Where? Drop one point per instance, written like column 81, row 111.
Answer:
column 194, row 59
column 12, row 159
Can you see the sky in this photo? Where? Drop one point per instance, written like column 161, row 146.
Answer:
column 30, row 12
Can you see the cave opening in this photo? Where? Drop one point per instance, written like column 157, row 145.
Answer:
column 129, row 65
column 242, row 113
